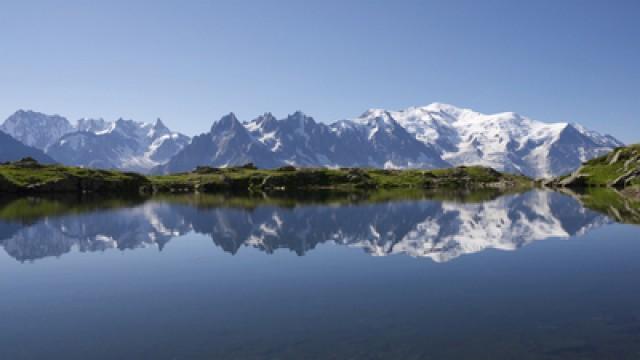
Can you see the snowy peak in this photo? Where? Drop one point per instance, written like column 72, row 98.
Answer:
column 373, row 117
column 127, row 128
column 446, row 110
column 36, row 129
column 264, row 119
column 379, row 124
column 158, row 125
column 505, row 141
column 262, row 124
column 228, row 143
column 122, row 144
column 227, row 122
column 297, row 139
column 228, row 128
column 92, row 125
column 267, row 122
column 300, row 120
column 601, row 139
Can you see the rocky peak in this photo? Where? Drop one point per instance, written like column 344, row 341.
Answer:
column 227, row 122
column 36, row 129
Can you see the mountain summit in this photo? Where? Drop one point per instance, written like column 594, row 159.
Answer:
column 36, row 129
column 228, row 143
column 504, row 141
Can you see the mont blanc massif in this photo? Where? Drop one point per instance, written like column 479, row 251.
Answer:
column 433, row 136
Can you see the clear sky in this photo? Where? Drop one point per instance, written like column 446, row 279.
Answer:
column 190, row 62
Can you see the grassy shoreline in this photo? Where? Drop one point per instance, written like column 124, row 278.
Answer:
column 619, row 170
column 27, row 176
column 303, row 179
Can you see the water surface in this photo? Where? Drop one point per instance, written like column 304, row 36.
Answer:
column 523, row 276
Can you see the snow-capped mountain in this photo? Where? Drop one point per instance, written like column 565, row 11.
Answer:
column 505, row 141
column 36, row 129
column 121, row 144
column 93, row 125
column 380, row 141
column 374, row 140
column 297, row 139
column 433, row 136
column 12, row 149
column 227, row 143
column 438, row 230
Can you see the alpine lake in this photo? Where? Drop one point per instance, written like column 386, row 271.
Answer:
column 538, row 274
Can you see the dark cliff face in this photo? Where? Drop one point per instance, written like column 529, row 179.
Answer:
column 563, row 156
column 12, row 150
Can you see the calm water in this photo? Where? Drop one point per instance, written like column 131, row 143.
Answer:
column 529, row 276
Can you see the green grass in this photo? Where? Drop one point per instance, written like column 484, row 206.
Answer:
column 602, row 174
column 336, row 179
column 29, row 176
column 602, row 171
column 619, row 169
column 397, row 178
column 24, row 176
column 32, row 177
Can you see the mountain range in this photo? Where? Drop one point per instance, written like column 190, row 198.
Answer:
column 121, row 144
column 434, row 136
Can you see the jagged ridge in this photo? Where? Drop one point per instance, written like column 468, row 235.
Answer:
column 434, row 136
column 96, row 143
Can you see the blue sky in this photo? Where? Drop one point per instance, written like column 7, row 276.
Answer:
column 190, row 62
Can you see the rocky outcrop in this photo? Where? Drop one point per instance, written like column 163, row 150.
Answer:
column 131, row 183
column 626, row 179
column 619, row 169
column 316, row 178
column 29, row 176
column 289, row 178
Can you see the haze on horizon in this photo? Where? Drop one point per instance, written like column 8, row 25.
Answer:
column 190, row 63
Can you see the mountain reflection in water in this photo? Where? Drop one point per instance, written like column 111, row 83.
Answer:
column 441, row 230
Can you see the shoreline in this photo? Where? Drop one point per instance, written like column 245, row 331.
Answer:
column 29, row 177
